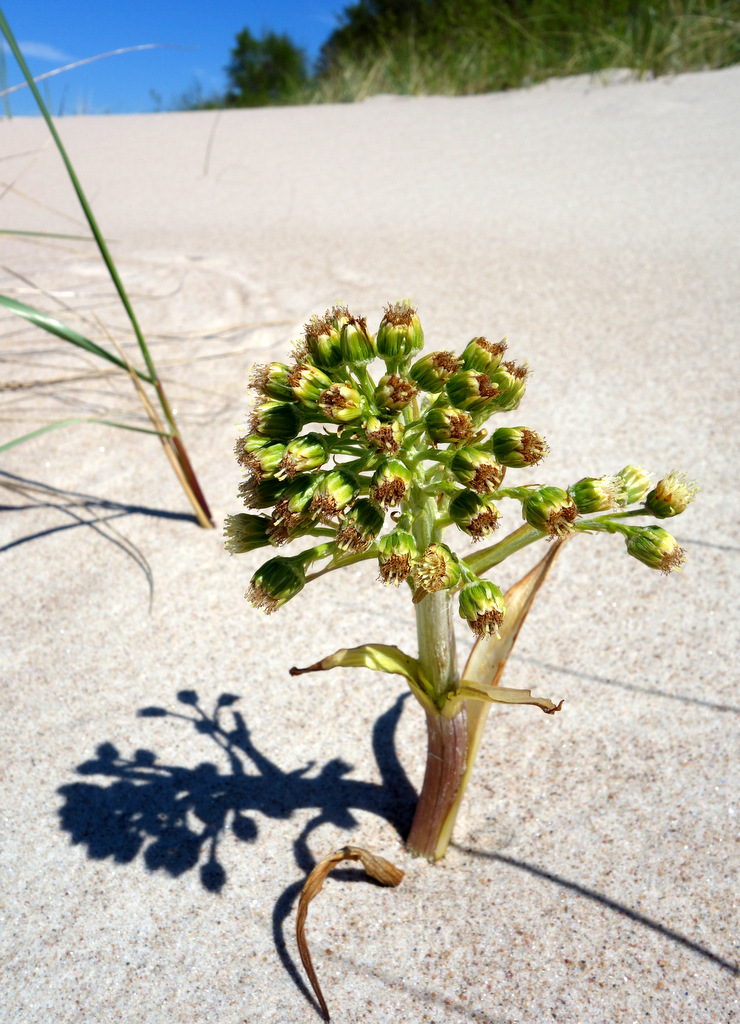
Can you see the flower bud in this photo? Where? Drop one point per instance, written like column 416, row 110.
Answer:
column 293, row 507
column 386, row 437
column 264, row 462
column 437, row 569
column 390, row 482
column 444, row 425
column 307, row 383
column 244, row 532
column 336, row 489
column 551, row 510
column 323, row 340
column 275, row 583
column 341, row 403
column 432, row 371
column 358, row 347
column 397, row 554
column 477, row 469
column 482, row 605
column 302, row 455
column 472, row 391
column 246, row 446
column 671, row 496
column 633, row 483
column 360, row 526
column 655, row 547
column 277, row 420
column 272, row 381
column 482, row 355
column 393, row 393
column 473, row 514
column 260, row 494
column 517, row 446
column 511, row 382
column 595, row 494
column 400, row 334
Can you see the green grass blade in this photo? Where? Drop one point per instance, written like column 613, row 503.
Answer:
column 107, row 258
column 45, row 234
column 72, row 421
column 56, row 327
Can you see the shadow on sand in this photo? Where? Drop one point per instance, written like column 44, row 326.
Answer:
column 176, row 816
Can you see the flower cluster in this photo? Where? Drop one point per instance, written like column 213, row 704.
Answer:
column 381, row 467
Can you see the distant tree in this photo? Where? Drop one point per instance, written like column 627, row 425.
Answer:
column 264, row 71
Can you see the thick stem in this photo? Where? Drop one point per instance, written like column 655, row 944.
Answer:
column 447, row 736
column 446, row 763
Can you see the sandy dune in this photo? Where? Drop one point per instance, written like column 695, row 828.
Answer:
column 156, row 830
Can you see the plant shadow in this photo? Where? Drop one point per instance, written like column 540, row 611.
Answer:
column 175, row 817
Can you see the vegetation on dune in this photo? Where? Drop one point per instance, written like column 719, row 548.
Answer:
column 459, row 47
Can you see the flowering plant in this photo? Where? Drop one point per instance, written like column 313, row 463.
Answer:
column 390, row 466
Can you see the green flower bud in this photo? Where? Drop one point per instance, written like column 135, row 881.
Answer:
column 307, row 384
column 482, row 605
column 264, row 462
column 293, row 507
column 260, row 494
column 633, row 484
column 397, row 554
column 393, row 393
column 386, row 437
column 482, row 355
column 246, row 446
column 358, row 347
column 302, row 455
column 245, row 533
column 474, row 515
column 511, row 382
column 323, row 340
column 656, row 548
column 517, row 447
column 390, row 483
column 432, row 371
column 360, row 526
column 277, row 420
column 471, row 390
column 477, row 469
column 595, row 494
column 272, row 381
column 444, row 425
column 400, row 334
column 341, row 403
column 437, row 569
column 671, row 496
column 550, row 509
column 336, row 489
column 275, row 583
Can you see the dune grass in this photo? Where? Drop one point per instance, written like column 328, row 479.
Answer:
column 164, row 425
column 549, row 39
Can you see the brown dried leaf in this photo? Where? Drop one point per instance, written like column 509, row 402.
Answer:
column 376, row 867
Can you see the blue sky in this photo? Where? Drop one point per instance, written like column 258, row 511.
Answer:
column 56, row 32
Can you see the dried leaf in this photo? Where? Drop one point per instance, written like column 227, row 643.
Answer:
column 376, row 867
column 503, row 695
column 489, row 655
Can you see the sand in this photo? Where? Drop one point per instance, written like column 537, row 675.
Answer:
column 156, row 829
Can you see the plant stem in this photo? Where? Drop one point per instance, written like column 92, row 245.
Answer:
column 447, row 737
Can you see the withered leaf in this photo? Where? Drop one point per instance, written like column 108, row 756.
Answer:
column 376, row 867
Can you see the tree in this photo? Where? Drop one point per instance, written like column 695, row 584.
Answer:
column 264, row 71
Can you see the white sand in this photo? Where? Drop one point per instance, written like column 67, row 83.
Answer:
column 595, row 873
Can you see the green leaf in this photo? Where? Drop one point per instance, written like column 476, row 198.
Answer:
column 73, row 421
column 380, row 658
column 61, row 330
